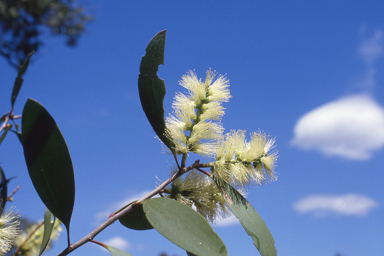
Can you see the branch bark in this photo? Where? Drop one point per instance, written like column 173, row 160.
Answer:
column 126, row 210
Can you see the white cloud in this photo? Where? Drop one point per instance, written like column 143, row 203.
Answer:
column 350, row 127
column 229, row 221
column 118, row 242
column 372, row 48
column 104, row 214
column 322, row 205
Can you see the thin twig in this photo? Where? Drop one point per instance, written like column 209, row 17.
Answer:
column 15, row 117
column 183, row 160
column 5, row 123
column 9, row 198
column 206, row 173
column 29, row 237
column 177, row 162
column 126, row 210
column 9, row 116
column 207, row 165
column 97, row 242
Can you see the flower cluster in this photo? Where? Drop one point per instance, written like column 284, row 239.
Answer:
column 195, row 124
column 199, row 192
column 240, row 162
column 9, row 230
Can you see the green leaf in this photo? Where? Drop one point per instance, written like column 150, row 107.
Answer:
column 19, row 79
column 48, row 161
column 191, row 254
column 249, row 219
column 49, row 221
column 183, row 226
column 117, row 252
column 3, row 190
column 5, row 133
column 152, row 88
column 136, row 219
column 114, row 251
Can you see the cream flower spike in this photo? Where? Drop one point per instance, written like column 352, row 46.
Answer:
column 195, row 124
column 242, row 163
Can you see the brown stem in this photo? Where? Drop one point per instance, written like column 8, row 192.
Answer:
column 5, row 123
column 97, row 242
column 9, row 198
column 177, row 162
column 207, row 165
column 9, row 116
column 129, row 208
column 206, row 173
column 183, row 160
column 29, row 237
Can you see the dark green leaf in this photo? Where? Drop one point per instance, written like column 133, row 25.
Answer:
column 191, row 254
column 19, row 79
column 183, row 226
column 5, row 133
column 112, row 250
column 49, row 221
column 136, row 219
column 48, row 161
column 249, row 219
column 3, row 190
column 152, row 88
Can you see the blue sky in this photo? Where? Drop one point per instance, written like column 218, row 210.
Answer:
column 309, row 73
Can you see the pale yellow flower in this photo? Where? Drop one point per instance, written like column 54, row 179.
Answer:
column 9, row 230
column 201, row 193
column 195, row 124
column 242, row 163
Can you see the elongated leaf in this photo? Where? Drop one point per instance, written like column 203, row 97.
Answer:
column 3, row 190
column 49, row 222
column 249, row 219
column 114, row 251
column 184, row 227
column 5, row 133
column 136, row 219
column 19, row 79
column 48, row 161
column 152, row 88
